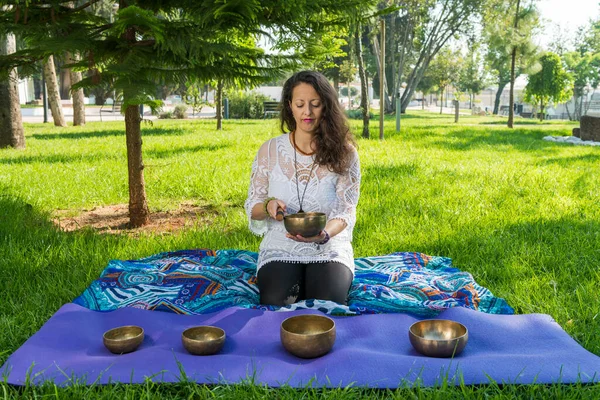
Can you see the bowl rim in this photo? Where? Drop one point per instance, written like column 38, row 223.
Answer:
column 410, row 330
column 308, row 334
column 308, row 214
column 141, row 333
column 212, row 327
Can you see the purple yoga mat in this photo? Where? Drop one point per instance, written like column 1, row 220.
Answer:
column 370, row 350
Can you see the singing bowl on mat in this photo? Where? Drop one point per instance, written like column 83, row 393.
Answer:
column 306, row 224
column 308, row 336
column 203, row 340
column 123, row 339
column 438, row 337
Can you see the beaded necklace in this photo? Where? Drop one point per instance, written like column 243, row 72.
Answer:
column 296, row 150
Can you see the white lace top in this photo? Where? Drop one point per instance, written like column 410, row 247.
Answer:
column 274, row 175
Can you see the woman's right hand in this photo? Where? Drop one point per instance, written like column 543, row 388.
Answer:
column 276, row 209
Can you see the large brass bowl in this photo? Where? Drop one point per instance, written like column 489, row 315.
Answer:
column 307, row 224
column 203, row 340
column 308, row 336
column 123, row 339
column 438, row 337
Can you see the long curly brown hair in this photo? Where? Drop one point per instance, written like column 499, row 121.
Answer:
column 333, row 137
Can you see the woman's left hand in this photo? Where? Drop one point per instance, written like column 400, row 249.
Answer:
column 298, row 238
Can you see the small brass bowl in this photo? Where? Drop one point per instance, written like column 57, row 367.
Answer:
column 308, row 336
column 123, row 339
column 438, row 337
column 307, row 224
column 203, row 340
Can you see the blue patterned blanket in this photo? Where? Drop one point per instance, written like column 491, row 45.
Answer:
column 203, row 281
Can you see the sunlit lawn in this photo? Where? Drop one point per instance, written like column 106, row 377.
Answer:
column 519, row 213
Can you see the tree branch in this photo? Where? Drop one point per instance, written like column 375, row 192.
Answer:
column 149, row 42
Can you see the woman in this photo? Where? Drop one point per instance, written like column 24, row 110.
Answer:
column 314, row 167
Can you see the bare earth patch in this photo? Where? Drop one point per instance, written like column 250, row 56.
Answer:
column 115, row 219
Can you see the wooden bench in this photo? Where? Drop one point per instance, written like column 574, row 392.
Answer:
column 271, row 108
column 114, row 109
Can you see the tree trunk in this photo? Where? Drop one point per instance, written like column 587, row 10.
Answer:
column 587, row 105
column 383, row 82
column 349, row 99
column 513, row 60
column 446, row 99
column 364, row 87
column 501, row 86
column 219, row 105
column 568, row 111
column 64, row 82
column 11, row 122
column 406, row 46
column 139, row 214
column 53, row 92
column 447, row 21
column 78, row 97
column 541, row 115
column 413, row 81
column 441, row 99
column 456, row 106
column 511, row 96
column 37, row 87
column 391, row 46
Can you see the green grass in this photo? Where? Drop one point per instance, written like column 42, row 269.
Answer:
column 519, row 213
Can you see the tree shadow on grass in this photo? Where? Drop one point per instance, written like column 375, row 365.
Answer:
column 44, row 267
column 185, row 149
column 390, row 172
column 20, row 219
column 93, row 158
column 392, row 117
column 155, row 131
column 530, row 122
column 537, row 265
column 416, row 132
column 429, row 130
column 467, row 139
column 60, row 158
column 408, row 116
column 593, row 159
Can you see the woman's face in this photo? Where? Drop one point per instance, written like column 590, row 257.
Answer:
column 307, row 108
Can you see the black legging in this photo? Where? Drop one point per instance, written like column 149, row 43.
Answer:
column 282, row 283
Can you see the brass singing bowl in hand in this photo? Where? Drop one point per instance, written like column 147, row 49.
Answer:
column 438, row 337
column 203, row 340
column 308, row 336
column 123, row 339
column 306, row 224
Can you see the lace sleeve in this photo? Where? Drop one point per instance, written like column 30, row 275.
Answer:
column 347, row 193
column 259, row 188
